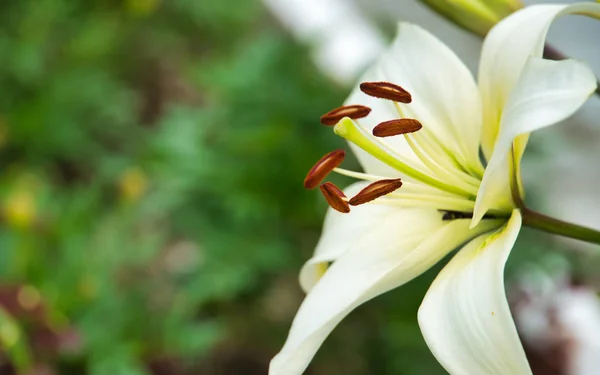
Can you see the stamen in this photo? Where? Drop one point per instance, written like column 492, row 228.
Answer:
column 396, row 127
column 413, row 203
column 335, row 197
column 323, row 167
column 386, row 90
column 407, row 186
column 412, row 199
column 353, row 111
column 347, row 129
column 375, row 190
column 448, row 175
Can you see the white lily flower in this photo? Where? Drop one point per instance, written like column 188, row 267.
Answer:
column 448, row 198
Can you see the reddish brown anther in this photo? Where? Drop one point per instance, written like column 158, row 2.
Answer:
column 375, row 190
column 335, row 197
column 353, row 111
column 386, row 90
column 323, row 167
column 396, row 127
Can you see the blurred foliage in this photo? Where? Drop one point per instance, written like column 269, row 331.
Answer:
column 151, row 160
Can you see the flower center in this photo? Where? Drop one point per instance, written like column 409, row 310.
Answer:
column 436, row 178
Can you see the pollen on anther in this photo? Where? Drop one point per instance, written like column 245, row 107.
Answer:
column 396, row 127
column 352, row 111
column 335, row 197
column 323, row 167
column 375, row 190
column 386, row 90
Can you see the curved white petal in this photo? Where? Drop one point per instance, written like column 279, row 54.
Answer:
column 465, row 318
column 506, row 50
column 546, row 93
column 342, row 231
column 400, row 253
column 445, row 96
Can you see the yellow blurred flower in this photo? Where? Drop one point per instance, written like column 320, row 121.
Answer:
column 20, row 209
column 9, row 333
column 29, row 297
column 88, row 287
column 133, row 183
column 141, row 7
column 477, row 16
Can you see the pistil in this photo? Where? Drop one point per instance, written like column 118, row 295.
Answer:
column 347, row 129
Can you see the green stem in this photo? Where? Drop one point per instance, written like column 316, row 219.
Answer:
column 548, row 224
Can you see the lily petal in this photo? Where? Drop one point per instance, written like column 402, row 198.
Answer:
column 506, row 50
column 465, row 318
column 341, row 231
column 546, row 93
column 446, row 99
column 394, row 253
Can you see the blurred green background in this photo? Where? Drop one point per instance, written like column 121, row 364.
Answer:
column 152, row 214
column 151, row 164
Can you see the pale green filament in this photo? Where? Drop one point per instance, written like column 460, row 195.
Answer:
column 430, row 143
column 439, row 170
column 347, row 129
column 407, row 186
column 441, row 203
column 431, row 147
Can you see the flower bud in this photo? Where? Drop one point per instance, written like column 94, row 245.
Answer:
column 477, row 16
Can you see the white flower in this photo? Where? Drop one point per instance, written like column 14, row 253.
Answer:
column 448, row 198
